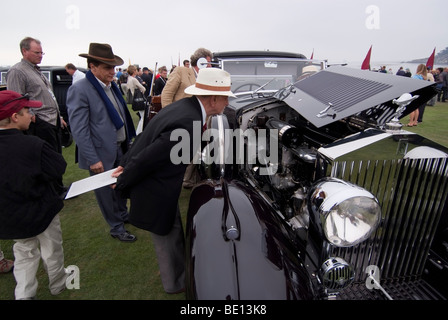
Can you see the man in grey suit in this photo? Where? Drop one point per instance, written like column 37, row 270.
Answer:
column 102, row 128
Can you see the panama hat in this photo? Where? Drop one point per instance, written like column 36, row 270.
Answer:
column 12, row 102
column 102, row 52
column 211, row 82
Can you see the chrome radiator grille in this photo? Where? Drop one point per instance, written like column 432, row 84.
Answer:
column 412, row 193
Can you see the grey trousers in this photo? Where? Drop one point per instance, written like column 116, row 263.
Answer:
column 170, row 251
column 112, row 206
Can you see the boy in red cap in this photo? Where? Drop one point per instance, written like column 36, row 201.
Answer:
column 29, row 204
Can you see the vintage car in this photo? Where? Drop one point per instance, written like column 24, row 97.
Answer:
column 312, row 189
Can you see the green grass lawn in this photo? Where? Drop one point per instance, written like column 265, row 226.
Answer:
column 434, row 125
column 110, row 269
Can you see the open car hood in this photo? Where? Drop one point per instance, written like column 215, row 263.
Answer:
column 340, row 92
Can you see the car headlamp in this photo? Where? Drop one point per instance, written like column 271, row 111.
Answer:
column 345, row 213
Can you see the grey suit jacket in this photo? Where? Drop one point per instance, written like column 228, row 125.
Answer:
column 93, row 131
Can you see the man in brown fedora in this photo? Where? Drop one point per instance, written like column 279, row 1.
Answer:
column 102, row 128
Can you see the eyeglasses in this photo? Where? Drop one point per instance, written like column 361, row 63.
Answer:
column 38, row 52
column 24, row 96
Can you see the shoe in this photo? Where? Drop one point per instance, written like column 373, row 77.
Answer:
column 6, row 265
column 125, row 237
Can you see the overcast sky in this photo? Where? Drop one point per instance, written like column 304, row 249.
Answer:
column 145, row 32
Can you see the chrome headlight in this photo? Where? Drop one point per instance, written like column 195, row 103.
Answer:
column 346, row 214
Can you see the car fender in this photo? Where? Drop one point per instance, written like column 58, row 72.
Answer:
column 220, row 268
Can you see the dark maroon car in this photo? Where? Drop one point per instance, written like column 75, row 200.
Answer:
column 312, row 189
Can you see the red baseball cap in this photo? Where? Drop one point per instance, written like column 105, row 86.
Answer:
column 12, row 102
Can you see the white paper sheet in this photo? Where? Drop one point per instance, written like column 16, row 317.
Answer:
column 91, row 183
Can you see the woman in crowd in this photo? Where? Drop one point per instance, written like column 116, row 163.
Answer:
column 422, row 75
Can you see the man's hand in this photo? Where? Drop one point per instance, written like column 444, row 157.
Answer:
column 117, row 172
column 63, row 123
column 97, row 167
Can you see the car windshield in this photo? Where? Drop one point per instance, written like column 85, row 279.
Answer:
column 271, row 74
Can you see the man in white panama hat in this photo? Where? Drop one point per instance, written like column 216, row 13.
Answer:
column 153, row 182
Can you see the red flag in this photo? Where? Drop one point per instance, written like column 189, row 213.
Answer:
column 312, row 55
column 430, row 62
column 366, row 63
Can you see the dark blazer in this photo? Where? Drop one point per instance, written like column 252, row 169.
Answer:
column 29, row 167
column 159, row 84
column 150, row 179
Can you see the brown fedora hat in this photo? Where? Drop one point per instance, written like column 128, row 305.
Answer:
column 102, row 52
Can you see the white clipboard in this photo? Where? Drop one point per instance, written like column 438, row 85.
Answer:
column 91, row 183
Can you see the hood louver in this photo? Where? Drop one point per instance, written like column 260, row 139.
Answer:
column 339, row 92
